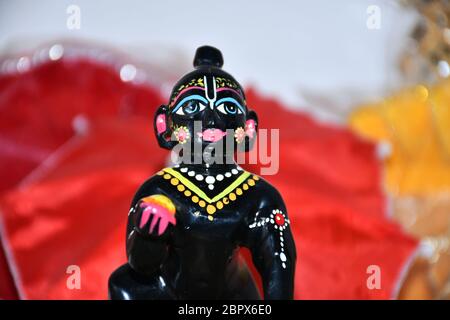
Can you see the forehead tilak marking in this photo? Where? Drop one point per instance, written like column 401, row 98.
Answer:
column 214, row 91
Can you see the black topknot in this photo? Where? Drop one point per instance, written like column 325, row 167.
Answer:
column 208, row 56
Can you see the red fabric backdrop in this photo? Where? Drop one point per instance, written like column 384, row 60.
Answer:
column 71, row 208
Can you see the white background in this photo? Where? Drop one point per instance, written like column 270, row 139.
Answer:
column 318, row 56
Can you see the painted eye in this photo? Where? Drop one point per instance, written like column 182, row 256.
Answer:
column 190, row 108
column 229, row 108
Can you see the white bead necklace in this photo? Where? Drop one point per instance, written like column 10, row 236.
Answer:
column 210, row 179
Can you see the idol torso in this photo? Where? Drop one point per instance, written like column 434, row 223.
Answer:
column 214, row 206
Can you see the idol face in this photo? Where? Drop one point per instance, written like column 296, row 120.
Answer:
column 206, row 110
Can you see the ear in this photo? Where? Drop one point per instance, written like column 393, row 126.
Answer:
column 251, row 128
column 162, row 129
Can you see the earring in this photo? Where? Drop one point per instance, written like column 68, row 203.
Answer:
column 182, row 134
column 161, row 123
column 250, row 128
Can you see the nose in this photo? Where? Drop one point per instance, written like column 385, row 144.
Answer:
column 209, row 120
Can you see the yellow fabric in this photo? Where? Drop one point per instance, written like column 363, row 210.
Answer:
column 416, row 124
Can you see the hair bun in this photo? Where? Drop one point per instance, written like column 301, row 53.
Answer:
column 208, row 56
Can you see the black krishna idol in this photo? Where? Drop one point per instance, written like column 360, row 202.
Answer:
column 187, row 222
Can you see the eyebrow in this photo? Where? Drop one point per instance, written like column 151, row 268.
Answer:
column 185, row 90
column 232, row 100
column 188, row 98
column 230, row 89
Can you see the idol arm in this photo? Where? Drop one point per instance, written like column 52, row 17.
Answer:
column 145, row 250
column 273, row 253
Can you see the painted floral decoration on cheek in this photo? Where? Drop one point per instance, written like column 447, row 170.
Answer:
column 182, row 134
column 239, row 134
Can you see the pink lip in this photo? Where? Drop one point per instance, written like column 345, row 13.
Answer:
column 212, row 135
